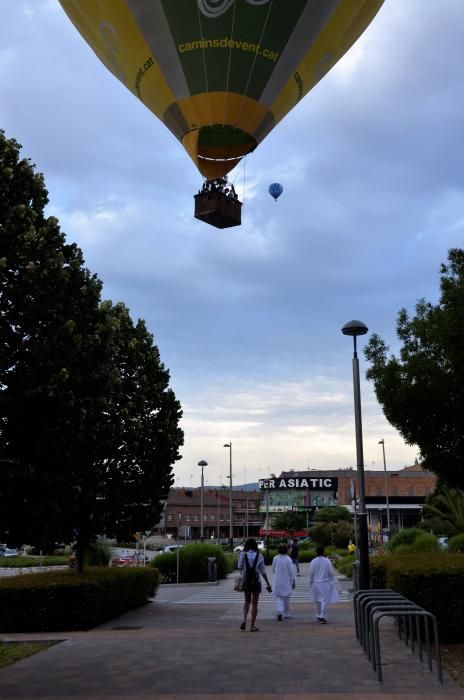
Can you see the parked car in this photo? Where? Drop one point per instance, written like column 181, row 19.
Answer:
column 125, row 559
column 172, row 547
column 443, row 542
column 239, row 547
column 8, row 552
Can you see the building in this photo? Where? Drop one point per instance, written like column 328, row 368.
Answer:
column 182, row 514
column 407, row 490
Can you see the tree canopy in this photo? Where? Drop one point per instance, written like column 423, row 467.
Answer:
column 332, row 514
column 444, row 511
column 422, row 390
column 88, row 424
column 289, row 520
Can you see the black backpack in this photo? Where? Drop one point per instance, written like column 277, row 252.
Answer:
column 251, row 583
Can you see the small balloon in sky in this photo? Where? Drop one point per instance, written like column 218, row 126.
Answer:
column 275, row 190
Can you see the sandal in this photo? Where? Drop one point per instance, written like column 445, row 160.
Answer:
column 254, row 629
column 243, row 626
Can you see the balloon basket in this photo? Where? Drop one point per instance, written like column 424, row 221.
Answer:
column 218, row 209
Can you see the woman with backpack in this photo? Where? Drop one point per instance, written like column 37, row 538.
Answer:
column 251, row 565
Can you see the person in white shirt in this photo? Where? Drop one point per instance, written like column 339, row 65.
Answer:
column 321, row 584
column 283, row 581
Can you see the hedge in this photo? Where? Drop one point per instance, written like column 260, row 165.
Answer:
column 65, row 600
column 24, row 562
column 433, row 581
column 193, row 563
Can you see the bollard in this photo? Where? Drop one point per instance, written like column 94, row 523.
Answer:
column 356, row 576
column 212, row 571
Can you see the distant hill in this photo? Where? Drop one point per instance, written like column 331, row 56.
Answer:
column 236, row 487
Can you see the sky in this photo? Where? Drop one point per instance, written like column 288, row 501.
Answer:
column 248, row 320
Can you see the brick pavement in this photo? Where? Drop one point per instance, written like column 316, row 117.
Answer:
column 187, row 645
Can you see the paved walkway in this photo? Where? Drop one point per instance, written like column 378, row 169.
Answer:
column 186, row 645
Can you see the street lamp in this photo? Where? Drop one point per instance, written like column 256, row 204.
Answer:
column 231, row 522
column 355, row 328
column 202, row 464
column 382, row 442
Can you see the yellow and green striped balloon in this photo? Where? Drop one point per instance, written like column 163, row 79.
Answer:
column 220, row 74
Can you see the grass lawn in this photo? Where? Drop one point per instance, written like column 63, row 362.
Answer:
column 10, row 652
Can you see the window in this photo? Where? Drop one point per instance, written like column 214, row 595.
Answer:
column 196, row 518
column 411, row 491
column 188, row 518
column 395, row 491
column 169, row 517
column 205, row 517
column 221, row 516
column 212, row 517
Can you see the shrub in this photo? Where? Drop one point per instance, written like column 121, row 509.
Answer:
column 425, row 543
column 306, row 555
column 24, row 562
column 98, row 554
column 193, row 563
column 336, row 534
column 345, row 565
column 456, row 543
column 407, row 536
column 433, row 581
column 64, row 600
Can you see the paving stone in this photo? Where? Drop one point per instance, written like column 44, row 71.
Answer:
column 191, row 647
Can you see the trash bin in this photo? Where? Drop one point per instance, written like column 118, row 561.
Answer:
column 212, row 571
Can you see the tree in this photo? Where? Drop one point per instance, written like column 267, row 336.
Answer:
column 422, row 391
column 142, row 437
column 290, row 521
column 337, row 534
column 332, row 514
column 88, row 426
column 446, row 507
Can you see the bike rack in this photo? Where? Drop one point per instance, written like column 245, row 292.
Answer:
column 371, row 605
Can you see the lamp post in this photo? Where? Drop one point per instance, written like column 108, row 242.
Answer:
column 202, row 464
column 355, row 328
column 382, row 442
column 231, row 515
column 267, row 520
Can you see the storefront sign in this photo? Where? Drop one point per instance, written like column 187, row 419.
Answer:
column 317, row 483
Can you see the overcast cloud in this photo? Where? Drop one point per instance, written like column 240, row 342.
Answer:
column 248, row 319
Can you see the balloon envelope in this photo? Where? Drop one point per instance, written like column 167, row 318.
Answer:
column 275, row 190
column 220, row 74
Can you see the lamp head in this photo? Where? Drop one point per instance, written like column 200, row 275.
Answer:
column 382, row 442
column 354, row 328
column 227, row 444
column 202, row 463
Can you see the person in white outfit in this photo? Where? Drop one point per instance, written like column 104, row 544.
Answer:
column 283, row 581
column 321, row 584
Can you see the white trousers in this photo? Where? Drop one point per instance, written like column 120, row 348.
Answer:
column 321, row 608
column 283, row 604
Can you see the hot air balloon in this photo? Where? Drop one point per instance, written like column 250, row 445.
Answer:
column 220, row 74
column 275, row 190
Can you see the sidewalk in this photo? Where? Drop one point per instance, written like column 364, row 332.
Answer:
column 187, row 644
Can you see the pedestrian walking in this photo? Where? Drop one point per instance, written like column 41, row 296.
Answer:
column 294, row 555
column 251, row 565
column 283, row 581
column 321, row 584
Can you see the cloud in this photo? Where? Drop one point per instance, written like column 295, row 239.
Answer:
column 248, row 319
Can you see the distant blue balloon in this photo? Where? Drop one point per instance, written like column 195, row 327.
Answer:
column 275, row 190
